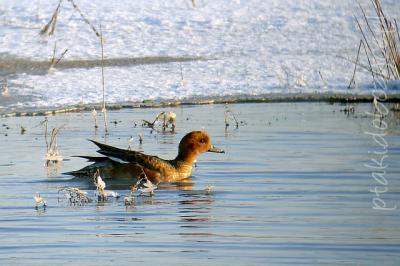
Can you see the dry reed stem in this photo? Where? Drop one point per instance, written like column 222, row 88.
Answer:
column 355, row 66
column 84, row 18
column 52, row 23
column 388, row 44
column 104, row 110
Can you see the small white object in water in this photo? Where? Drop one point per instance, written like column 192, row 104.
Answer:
column 106, row 194
column 111, row 194
column 144, row 185
column 209, row 189
column 39, row 200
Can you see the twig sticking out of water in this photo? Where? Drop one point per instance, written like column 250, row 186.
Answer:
column 140, row 139
column 152, row 124
column 168, row 119
column 228, row 114
column 39, row 201
column 52, row 154
column 144, row 185
column 130, row 140
column 104, row 109
column 101, row 193
column 50, row 27
column 94, row 114
column 100, row 186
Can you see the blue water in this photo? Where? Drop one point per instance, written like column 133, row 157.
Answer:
column 291, row 188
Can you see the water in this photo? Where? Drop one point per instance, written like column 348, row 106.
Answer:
column 237, row 48
column 291, row 188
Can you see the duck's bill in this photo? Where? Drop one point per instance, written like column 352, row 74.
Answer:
column 215, row 149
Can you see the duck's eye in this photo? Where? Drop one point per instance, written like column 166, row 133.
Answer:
column 202, row 141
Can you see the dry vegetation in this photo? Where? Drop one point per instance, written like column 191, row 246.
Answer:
column 380, row 43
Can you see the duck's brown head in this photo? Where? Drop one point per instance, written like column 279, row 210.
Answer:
column 194, row 144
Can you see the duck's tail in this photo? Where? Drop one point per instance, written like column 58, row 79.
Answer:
column 113, row 153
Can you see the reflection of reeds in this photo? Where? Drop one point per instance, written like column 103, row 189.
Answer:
column 387, row 41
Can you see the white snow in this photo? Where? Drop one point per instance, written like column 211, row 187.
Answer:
column 258, row 46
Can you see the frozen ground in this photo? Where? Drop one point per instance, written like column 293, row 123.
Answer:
column 236, row 47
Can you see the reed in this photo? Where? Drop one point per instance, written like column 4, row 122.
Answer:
column 104, row 109
column 50, row 27
column 381, row 44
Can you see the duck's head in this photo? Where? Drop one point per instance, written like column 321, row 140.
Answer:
column 194, row 144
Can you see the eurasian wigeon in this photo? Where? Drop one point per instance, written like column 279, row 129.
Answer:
column 121, row 163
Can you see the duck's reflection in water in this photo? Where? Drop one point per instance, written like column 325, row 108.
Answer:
column 194, row 205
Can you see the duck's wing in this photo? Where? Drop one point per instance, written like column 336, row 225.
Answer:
column 149, row 162
column 104, row 164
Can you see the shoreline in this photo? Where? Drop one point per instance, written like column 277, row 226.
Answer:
column 328, row 97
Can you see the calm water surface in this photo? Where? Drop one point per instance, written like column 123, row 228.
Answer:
column 292, row 188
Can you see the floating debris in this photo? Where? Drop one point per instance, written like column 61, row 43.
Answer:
column 39, row 201
column 168, row 119
column 209, row 189
column 144, row 185
column 129, row 198
column 349, row 109
column 75, row 195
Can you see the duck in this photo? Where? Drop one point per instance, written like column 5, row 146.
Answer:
column 122, row 163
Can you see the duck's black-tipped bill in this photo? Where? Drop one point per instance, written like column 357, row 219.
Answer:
column 215, row 149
